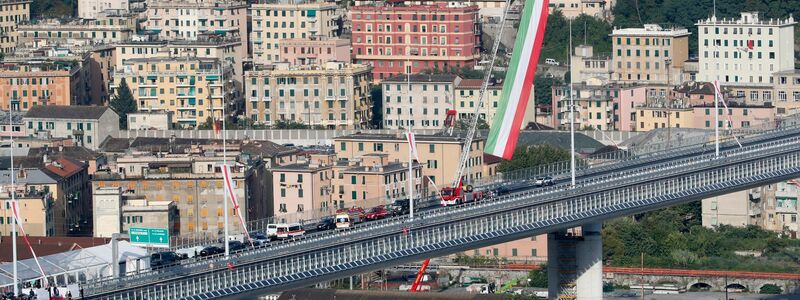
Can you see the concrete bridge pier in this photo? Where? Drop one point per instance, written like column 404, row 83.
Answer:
column 575, row 263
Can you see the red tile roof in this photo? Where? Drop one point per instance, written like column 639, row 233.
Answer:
column 64, row 166
column 476, row 84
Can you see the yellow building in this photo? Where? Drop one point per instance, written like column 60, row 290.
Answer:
column 189, row 87
column 650, row 54
column 594, row 105
column 439, row 155
column 275, row 21
column 335, row 95
column 12, row 12
column 658, row 115
column 468, row 96
column 111, row 28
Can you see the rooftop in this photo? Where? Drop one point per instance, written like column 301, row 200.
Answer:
column 74, row 152
column 67, row 112
column 748, row 18
column 651, row 30
column 28, row 176
column 400, row 137
column 47, row 245
column 477, row 83
column 16, row 117
column 65, row 167
column 447, row 78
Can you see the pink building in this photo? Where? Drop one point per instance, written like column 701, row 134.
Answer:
column 629, row 99
column 314, row 51
column 531, row 250
column 741, row 116
column 392, row 38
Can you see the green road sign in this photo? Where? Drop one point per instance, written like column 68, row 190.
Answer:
column 150, row 237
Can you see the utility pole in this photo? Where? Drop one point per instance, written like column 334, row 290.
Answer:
column 571, row 116
column 13, row 198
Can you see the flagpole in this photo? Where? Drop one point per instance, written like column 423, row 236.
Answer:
column 224, row 162
column 410, row 148
column 13, row 201
column 571, row 115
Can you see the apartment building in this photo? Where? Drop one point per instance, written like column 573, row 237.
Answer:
column 117, row 212
column 99, row 62
column 112, row 28
column 664, row 114
column 274, row 21
column 312, row 51
column 786, row 85
column 573, row 8
column 189, row 87
column 88, row 126
column 60, row 185
column 191, row 19
column 374, row 180
column 12, row 12
column 229, row 49
column 651, row 54
column 586, row 65
column 192, row 181
column 439, row 155
column 736, row 116
column 467, row 98
column 745, row 51
column 772, row 207
column 304, row 187
column 335, row 95
column 431, row 96
column 32, row 201
column 531, row 250
column 34, row 84
column 595, row 105
column 92, row 9
column 402, row 39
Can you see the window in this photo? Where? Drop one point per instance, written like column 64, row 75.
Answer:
column 283, row 177
column 300, row 178
column 432, row 148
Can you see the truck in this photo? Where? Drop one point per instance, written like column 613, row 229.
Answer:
column 461, row 194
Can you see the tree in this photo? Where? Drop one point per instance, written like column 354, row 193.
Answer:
column 123, row 104
column 538, row 278
column 556, row 38
column 543, row 88
column 52, row 8
column 282, row 124
column 532, row 156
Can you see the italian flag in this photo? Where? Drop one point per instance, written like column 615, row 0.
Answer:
column 519, row 80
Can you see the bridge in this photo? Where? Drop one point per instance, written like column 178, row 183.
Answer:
column 612, row 190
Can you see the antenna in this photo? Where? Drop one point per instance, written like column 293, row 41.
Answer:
column 715, row 9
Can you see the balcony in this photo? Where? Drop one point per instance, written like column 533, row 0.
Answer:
column 77, row 132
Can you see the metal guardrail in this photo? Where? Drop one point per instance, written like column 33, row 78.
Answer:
column 383, row 242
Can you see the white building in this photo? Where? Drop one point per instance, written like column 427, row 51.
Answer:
column 424, row 107
column 106, row 211
column 90, row 9
column 150, row 120
column 745, row 51
column 87, row 125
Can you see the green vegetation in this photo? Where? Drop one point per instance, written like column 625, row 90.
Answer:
column 532, row 156
column 543, row 88
column 771, row 289
column 462, row 124
column 464, row 72
column 377, row 106
column 538, row 277
column 478, row 260
column 53, row 8
column 123, row 104
column 674, row 238
column 556, row 37
column 685, row 13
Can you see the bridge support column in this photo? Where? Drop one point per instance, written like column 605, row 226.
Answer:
column 574, row 264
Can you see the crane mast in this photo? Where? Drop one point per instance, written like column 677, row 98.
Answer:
column 473, row 125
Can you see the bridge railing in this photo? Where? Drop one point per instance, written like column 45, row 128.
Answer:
column 541, row 196
column 482, row 222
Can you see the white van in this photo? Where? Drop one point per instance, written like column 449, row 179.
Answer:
column 284, row 230
column 343, row 221
column 551, row 61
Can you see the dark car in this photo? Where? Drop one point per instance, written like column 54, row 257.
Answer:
column 236, row 246
column 326, row 224
column 164, row 259
column 399, row 207
column 503, row 190
column 211, row 250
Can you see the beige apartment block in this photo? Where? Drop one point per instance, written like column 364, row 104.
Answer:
column 335, row 95
column 12, row 12
column 374, row 180
column 419, row 102
column 192, row 182
column 595, row 105
column 92, row 9
column 440, row 155
column 191, row 19
column 274, row 21
column 585, row 65
column 140, row 212
column 99, row 62
column 651, row 54
column 111, row 28
column 772, row 207
column 573, row 8
column 227, row 49
column 786, row 86
column 745, row 51
column 312, row 51
column 303, row 188
column 467, row 98
column 190, row 88
column 32, row 209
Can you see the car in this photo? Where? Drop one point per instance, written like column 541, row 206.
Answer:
column 326, row 224
column 378, row 212
column 543, row 181
column 399, row 207
column 164, row 259
column 259, row 236
column 551, row 61
column 501, row 191
column 211, row 250
column 236, row 246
